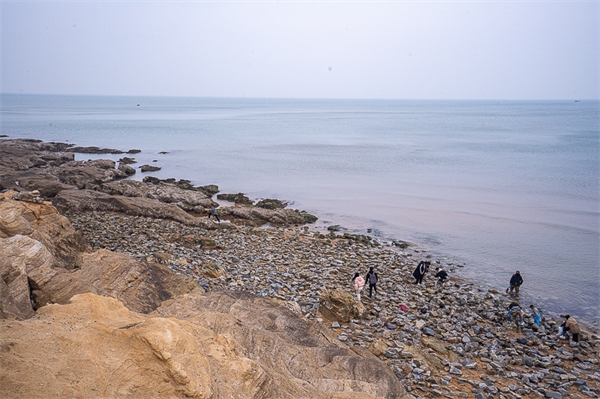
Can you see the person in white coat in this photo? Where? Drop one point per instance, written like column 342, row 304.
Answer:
column 359, row 283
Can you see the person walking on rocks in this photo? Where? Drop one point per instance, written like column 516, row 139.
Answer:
column 371, row 278
column 420, row 271
column 515, row 282
column 213, row 212
column 571, row 325
column 359, row 283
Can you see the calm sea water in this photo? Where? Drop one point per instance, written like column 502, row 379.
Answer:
column 496, row 186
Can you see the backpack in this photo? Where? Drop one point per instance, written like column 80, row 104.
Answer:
column 372, row 278
column 515, row 312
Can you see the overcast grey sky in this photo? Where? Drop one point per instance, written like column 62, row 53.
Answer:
column 406, row 50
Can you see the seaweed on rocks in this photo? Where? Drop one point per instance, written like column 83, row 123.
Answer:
column 239, row 198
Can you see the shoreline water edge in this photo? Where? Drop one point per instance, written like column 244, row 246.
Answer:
column 449, row 339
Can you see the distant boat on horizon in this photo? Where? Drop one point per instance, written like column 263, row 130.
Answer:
column 577, row 101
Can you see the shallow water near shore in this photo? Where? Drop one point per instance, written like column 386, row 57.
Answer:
column 496, row 186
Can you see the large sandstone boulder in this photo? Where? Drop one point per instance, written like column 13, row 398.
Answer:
column 45, row 261
column 44, row 224
column 220, row 345
column 340, row 305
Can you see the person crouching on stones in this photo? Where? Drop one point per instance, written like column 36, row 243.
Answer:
column 515, row 282
column 515, row 315
column 371, row 278
column 441, row 275
column 571, row 325
column 420, row 271
column 359, row 283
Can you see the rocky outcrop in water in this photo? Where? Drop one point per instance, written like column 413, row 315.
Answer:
column 27, row 165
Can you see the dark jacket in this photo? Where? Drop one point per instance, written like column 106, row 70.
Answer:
column 516, row 280
column 442, row 275
column 368, row 280
column 420, row 270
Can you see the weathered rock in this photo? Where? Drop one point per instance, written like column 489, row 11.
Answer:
column 44, row 224
column 149, row 168
column 209, row 190
column 43, row 262
column 88, row 174
column 128, row 170
column 378, row 348
column 23, row 154
column 276, row 216
column 270, row 203
column 88, row 200
column 127, row 161
column 222, row 345
column 339, row 305
column 164, row 192
column 48, row 185
column 238, row 198
column 94, row 150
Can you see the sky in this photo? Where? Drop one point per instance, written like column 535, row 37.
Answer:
column 311, row 49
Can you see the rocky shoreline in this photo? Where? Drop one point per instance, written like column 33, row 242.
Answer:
column 451, row 341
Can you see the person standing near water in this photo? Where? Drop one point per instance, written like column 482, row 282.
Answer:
column 515, row 282
column 213, row 212
column 371, row 278
column 359, row 283
column 536, row 315
column 420, row 271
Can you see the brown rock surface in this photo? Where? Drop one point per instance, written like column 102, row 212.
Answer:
column 44, row 224
column 220, row 345
column 88, row 174
column 164, row 192
column 44, row 261
column 275, row 216
column 89, row 200
column 340, row 305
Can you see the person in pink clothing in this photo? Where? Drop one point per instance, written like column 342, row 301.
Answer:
column 359, row 283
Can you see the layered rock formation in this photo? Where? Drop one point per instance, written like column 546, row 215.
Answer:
column 45, row 261
column 219, row 345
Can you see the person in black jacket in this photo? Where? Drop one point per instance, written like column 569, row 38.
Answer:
column 371, row 278
column 420, row 271
column 515, row 282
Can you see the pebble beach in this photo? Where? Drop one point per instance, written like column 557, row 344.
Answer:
column 452, row 342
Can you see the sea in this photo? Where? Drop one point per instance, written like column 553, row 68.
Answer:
column 486, row 187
